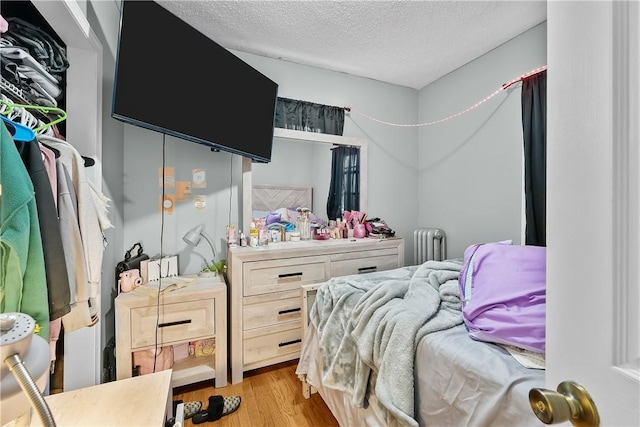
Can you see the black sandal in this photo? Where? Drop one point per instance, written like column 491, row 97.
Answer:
column 218, row 407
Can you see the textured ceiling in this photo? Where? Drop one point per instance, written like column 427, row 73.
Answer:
column 408, row 43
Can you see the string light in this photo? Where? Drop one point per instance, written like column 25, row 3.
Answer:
column 466, row 110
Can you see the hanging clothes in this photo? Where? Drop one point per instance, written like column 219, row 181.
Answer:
column 79, row 316
column 56, row 272
column 49, row 159
column 92, row 207
column 23, row 282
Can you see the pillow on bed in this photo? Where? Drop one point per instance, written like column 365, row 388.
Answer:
column 503, row 293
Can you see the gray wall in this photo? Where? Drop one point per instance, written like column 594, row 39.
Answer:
column 392, row 151
column 470, row 179
column 463, row 176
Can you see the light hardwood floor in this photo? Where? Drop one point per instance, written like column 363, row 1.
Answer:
column 271, row 397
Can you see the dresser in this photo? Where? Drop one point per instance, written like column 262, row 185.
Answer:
column 195, row 312
column 265, row 291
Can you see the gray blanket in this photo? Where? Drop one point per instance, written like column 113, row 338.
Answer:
column 370, row 325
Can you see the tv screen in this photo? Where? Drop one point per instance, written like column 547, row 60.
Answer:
column 173, row 79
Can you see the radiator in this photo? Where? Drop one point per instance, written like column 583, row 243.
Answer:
column 429, row 244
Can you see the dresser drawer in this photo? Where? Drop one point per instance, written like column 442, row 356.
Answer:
column 371, row 264
column 263, row 277
column 279, row 307
column 179, row 322
column 282, row 342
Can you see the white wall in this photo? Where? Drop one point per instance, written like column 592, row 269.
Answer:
column 470, row 179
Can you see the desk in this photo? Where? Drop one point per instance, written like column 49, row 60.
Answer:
column 138, row 401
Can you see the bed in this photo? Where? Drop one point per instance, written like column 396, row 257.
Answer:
column 391, row 349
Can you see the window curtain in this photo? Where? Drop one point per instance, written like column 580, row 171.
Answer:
column 344, row 189
column 309, row 117
column 534, row 126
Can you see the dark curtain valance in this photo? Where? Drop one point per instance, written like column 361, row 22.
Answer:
column 309, row 117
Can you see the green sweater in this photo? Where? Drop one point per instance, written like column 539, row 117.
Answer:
column 23, row 285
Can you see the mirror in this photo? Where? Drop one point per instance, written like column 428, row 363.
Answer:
column 301, row 159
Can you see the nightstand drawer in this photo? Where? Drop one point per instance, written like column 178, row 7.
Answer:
column 280, row 275
column 178, row 322
column 279, row 308
column 272, row 342
column 363, row 265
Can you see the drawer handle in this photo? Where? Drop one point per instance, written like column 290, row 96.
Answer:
column 282, row 344
column 367, row 269
column 289, row 277
column 179, row 322
column 291, row 310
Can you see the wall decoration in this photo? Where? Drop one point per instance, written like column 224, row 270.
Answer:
column 199, row 178
column 183, row 190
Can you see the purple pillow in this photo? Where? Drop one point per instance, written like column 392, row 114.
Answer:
column 503, row 293
column 273, row 217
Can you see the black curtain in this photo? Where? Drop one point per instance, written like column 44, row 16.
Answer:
column 344, row 189
column 534, row 126
column 308, row 116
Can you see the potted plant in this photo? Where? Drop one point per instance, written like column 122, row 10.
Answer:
column 213, row 269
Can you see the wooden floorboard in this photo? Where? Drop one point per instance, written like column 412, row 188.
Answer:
column 271, row 397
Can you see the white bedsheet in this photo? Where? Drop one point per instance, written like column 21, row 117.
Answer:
column 458, row 382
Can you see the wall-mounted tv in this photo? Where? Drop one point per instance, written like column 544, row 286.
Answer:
column 173, row 79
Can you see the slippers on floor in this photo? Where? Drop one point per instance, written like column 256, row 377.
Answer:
column 218, row 407
column 231, row 404
column 191, row 408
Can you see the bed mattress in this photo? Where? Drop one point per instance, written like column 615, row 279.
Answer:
column 462, row 382
column 458, row 382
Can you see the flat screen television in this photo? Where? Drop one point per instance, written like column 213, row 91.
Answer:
column 171, row 78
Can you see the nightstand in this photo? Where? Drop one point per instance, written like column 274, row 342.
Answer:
column 195, row 312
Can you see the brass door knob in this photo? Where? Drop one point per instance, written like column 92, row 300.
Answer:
column 570, row 403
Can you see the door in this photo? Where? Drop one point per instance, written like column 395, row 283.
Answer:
column 593, row 220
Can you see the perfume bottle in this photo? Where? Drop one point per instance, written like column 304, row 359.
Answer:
column 303, row 223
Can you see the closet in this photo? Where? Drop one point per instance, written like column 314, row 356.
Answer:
column 82, row 102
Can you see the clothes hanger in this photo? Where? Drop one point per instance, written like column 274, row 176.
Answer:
column 18, row 131
column 56, row 152
column 31, row 119
column 88, row 161
column 8, row 108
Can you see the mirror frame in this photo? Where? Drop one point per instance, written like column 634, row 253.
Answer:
column 290, row 134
